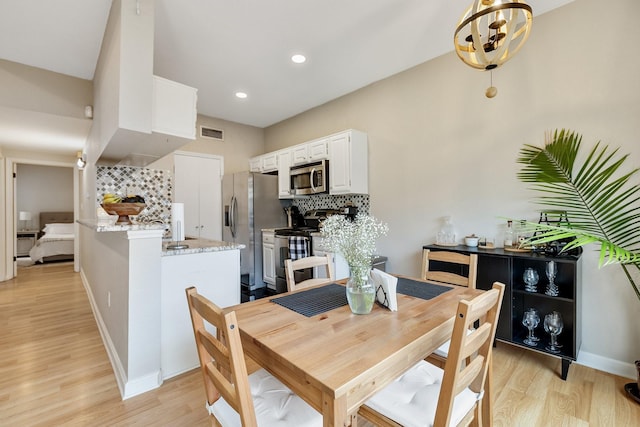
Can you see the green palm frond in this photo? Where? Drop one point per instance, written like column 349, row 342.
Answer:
column 601, row 203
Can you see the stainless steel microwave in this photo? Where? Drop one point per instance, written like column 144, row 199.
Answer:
column 312, row 178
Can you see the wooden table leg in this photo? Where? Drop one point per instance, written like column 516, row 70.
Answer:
column 334, row 412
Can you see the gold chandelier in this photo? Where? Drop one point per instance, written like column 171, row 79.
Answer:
column 490, row 32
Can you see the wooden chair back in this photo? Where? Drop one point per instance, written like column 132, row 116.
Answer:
column 221, row 357
column 308, row 262
column 468, row 364
column 470, row 260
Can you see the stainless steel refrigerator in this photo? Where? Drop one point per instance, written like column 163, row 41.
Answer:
column 250, row 203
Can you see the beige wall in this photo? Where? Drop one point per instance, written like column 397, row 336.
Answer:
column 33, row 89
column 240, row 143
column 438, row 146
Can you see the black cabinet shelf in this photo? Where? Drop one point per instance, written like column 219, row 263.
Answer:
column 497, row 265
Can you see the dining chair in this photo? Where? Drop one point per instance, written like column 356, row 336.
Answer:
column 235, row 398
column 309, row 262
column 454, row 259
column 457, row 261
column 427, row 394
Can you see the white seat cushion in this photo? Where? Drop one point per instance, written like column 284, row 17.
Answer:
column 275, row 405
column 443, row 350
column 412, row 399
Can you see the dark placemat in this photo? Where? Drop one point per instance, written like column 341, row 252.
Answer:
column 419, row 289
column 314, row 301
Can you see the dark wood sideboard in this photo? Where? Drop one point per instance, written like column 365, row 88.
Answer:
column 508, row 267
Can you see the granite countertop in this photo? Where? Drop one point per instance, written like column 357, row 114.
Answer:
column 199, row 246
column 100, row 228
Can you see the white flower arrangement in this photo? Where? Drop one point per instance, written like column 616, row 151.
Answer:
column 355, row 240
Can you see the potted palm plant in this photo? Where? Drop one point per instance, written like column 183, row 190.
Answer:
column 599, row 198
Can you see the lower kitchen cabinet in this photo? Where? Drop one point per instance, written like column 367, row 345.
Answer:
column 509, row 267
column 268, row 257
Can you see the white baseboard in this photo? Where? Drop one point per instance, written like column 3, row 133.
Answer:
column 142, row 385
column 612, row 366
column 127, row 388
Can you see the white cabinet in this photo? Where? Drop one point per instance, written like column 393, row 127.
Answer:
column 348, row 163
column 255, row 164
column 174, row 108
column 340, row 266
column 268, row 257
column 311, row 151
column 299, row 154
column 198, row 184
column 318, row 149
column 270, row 162
column 284, row 164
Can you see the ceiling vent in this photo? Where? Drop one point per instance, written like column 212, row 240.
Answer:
column 211, row 133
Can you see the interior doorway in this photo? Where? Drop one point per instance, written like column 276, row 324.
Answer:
column 17, row 201
column 39, row 188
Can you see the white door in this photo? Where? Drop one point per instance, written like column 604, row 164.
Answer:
column 198, row 184
column 211, row 198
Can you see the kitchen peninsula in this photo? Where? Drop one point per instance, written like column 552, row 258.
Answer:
column 136, row 289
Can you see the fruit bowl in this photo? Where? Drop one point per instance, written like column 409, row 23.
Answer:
column 123, row 210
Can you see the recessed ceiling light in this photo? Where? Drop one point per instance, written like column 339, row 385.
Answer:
column 241, row 95
column 298, row 59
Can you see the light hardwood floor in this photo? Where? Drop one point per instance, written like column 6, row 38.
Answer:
column 54, row 370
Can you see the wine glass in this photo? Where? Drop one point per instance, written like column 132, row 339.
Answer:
column 530, row 278
column 552, row 272
column 530, row 320
column 553, row 325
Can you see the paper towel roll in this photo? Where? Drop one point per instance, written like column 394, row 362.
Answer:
column 177, row 221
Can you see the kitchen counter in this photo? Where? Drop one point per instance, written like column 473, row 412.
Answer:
column 199, row 246
column 96, row 226
column 136, row 291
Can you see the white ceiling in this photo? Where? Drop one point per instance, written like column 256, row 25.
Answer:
column 221, row 47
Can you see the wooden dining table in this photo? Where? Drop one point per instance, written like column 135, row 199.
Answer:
column 336, row 360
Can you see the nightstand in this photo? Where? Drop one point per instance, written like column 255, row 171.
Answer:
column 25, row 239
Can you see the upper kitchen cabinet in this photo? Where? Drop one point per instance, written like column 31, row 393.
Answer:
column 348, row 163
column 299, row 154
column 255, row 164
column 311, row 151
column 266, row 163
column 174, row 108
column 318, row 149
column 138, row 117
column 284, row 166
column 269, row 162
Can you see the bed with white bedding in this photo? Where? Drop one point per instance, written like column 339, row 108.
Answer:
column 57, row 240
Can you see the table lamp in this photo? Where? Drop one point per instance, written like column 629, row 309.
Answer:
column 24, row 216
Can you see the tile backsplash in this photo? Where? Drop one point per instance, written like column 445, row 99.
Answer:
column 156, row 186
column 326, row 201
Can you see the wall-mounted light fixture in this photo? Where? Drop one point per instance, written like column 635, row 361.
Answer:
column 82, row 161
